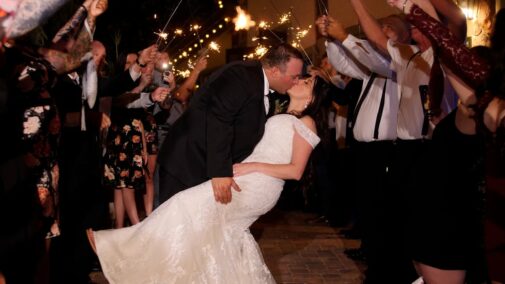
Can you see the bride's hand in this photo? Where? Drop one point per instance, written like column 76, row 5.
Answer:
column 243, row 169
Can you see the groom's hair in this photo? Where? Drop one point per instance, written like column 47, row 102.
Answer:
column 279, row 55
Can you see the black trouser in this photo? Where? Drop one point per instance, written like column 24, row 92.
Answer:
column 381, row 212
column 169, row 185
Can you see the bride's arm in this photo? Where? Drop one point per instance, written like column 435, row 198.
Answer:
column 294, row 170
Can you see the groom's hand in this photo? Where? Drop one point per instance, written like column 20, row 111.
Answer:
column 222, row 188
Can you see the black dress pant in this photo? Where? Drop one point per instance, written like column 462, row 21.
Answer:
column 169, row 185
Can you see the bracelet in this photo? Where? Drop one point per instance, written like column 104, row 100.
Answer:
column 138, row 62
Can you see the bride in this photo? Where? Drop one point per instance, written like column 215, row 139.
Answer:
column 191, row 238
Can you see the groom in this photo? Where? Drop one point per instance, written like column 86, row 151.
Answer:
column 224, row 122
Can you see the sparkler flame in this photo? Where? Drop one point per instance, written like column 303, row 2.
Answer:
column 214, row 46
column 162, row 35
column 263, row 25
column 260, row 51
column 243, row 21
column 284, row 18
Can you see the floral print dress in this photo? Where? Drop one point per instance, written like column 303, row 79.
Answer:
column 133, row 135
column 35, row 127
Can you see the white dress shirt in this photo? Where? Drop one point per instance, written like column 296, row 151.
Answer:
column 266, row 91
column 413, row 70
column 343, row 58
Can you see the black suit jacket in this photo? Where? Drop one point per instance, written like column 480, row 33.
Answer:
column 224, row 122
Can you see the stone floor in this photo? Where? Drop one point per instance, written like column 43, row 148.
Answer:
column 297, row 252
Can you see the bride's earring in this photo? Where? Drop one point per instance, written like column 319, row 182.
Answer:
column 306, row 104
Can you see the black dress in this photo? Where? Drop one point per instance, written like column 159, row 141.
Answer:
column 448, row 188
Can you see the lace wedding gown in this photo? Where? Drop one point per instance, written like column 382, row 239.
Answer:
column 191, row 238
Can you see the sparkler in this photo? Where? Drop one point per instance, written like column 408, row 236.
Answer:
column 162, row 35
column 168, row 21
column 214, row 46
column 242, row 21
column 299, row 36
column 322, row 7
column 284, row 18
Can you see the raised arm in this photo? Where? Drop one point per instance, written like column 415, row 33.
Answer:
column 71, row 29
column 453, row 16
column 183, row 93
column 371, row 26
column 295, row 169
column 472, row 69
column 65, row 62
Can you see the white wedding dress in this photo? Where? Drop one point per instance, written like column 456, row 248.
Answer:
column 191, row 238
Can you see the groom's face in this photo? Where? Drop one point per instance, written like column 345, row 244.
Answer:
column 284, row 80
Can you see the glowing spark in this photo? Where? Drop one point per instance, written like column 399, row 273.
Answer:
column 260, row 50
column 258, row 38
column 178, row 32
column 184, row 74
column 242, row 21
column 214, row 46
column 284, row 18
column 295, row 44
column 195, row 27
column 155, row 16
column 263, row 25
column 162, row 35
column 302, row 34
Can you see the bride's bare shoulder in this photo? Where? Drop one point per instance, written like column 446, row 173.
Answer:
column 309, row 122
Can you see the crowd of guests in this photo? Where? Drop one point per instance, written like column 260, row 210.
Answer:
column 412, row 160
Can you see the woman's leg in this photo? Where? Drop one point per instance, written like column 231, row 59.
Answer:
column 130, row 206
column 119, row 208
column 432, row 275
column 149, row 175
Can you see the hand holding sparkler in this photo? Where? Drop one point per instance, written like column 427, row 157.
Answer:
column 200, row 64
column 147, row 55
column 330, row 27
column 160, row 94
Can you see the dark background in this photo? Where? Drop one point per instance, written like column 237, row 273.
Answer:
column 129, row 25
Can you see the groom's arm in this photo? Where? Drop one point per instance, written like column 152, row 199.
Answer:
column 230, row 94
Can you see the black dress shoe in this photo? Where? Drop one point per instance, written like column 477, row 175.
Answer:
column 355, row 254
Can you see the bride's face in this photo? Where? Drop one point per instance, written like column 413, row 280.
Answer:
column 302, row 89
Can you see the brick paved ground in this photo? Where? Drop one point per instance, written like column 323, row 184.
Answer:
column 299, row 253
